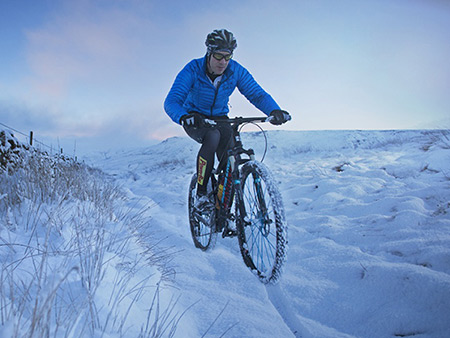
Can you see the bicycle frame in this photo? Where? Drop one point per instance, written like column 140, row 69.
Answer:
column 235, row 159
column 244, row 192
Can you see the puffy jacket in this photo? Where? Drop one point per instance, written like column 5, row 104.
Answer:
column 192, row 90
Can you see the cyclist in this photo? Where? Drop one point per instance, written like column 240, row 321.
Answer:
column 199, row 96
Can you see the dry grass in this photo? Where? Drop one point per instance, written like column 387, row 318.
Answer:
column 72, row 258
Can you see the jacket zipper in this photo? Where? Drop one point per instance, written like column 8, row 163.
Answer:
column 215, row 97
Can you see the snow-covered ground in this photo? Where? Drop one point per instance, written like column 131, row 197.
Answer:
column 369, row 236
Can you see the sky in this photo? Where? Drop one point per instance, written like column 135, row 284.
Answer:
column 95, row 73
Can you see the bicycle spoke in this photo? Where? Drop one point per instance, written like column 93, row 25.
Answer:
column 201, row 223
column 259, row 213
column 262, row 245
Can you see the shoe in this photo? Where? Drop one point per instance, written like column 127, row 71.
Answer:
column 203, row 203
column 224, row 226
column 229, row 232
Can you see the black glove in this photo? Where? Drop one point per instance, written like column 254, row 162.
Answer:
column 279, row 117
column 192, row 120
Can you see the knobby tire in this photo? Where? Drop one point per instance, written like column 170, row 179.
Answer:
column 202, row 225
column 262, row 230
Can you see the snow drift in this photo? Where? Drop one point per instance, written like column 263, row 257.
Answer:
column 369, row 237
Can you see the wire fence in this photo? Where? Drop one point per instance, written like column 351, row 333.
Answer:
column 30, row 139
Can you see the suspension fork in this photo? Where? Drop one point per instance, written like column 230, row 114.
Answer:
column 238, row 188
column 239, row 198
column 262, row 213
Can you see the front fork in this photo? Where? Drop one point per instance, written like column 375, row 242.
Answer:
column 261, row 215
column 238, row 189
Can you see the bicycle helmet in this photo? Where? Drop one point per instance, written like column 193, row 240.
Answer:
column 220, row 40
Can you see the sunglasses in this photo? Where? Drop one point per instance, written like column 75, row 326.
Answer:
column 219, row 56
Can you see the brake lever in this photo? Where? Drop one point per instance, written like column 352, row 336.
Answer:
column 210, row 122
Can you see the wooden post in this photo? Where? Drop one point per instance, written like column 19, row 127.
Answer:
column 31, row 138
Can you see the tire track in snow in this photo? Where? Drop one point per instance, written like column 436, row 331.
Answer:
column 286, row 311
column 281, row 303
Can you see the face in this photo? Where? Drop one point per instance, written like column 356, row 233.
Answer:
column 218, row 66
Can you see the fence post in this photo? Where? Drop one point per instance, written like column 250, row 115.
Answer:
column 31, row 138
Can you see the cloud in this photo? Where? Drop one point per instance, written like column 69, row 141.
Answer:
column 125, row 129
column 81, row 45
column 102, row 68
column 24, row 118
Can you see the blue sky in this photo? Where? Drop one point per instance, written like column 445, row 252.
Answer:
column 97, row 72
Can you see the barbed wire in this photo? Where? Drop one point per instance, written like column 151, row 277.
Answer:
column 27, row 136
column 15, row 130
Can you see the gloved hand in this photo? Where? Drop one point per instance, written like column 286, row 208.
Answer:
column 279, row 117
column 192, row 120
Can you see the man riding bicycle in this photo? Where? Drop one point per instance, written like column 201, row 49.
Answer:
column 199, row 96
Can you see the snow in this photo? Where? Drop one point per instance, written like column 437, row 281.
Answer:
column 369, row 237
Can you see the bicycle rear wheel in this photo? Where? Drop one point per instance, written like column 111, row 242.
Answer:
column 262, row 229
column 202, row 224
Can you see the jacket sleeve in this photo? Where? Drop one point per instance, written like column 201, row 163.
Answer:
column 248, row 87
column 173, row 104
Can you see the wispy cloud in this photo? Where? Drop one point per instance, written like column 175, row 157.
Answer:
column 24, row 118
column 81, row 44
column 95, row 64
column 99, row 65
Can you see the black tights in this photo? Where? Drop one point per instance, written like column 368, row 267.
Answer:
column 214, row 140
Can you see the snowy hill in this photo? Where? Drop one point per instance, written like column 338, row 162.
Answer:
column 369, row 238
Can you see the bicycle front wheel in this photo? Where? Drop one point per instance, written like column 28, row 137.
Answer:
column 262, row 229
column 202, row 223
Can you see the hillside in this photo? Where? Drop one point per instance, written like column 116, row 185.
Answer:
column 369, row 243
column 369, row 235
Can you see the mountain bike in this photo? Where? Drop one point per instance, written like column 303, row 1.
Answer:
column 244, row 194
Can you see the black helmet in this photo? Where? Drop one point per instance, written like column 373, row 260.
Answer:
column 220, row 40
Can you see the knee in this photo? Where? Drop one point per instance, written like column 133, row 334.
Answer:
column 212, row 138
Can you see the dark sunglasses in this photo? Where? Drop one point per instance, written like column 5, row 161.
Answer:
column 219, row 56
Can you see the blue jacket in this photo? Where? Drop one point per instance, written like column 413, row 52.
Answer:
column 193, row 91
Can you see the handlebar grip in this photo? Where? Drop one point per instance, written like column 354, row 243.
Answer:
column 270, row 118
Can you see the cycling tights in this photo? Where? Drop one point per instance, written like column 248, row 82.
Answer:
column 214, row 140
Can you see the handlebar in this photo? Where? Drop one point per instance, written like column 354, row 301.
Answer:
column 241, row 120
